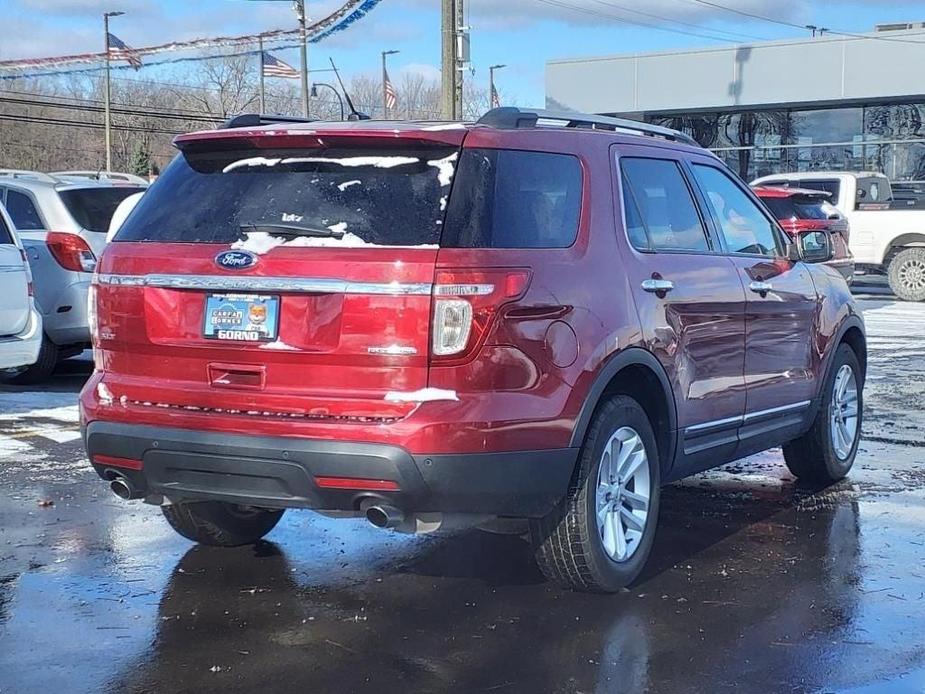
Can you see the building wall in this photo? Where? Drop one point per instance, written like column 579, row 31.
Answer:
column 820, row 70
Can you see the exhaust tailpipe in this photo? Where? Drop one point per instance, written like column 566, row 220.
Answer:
column 124, row 489
column 384, row 516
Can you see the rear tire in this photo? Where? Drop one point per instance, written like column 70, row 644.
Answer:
column 42, row 369
column 599, row 537
column 907, row 274
column 220, row 524
column 825, row 453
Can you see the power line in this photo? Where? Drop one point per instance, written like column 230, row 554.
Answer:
column 802, row 27
column 201, row 118
column 615, row 18
column 661, row 18
column 47, row 120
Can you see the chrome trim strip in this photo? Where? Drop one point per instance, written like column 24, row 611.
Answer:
column 777, row 410
column 267, row 284
column 13, row 268
column 721, row 423
column 715, row 424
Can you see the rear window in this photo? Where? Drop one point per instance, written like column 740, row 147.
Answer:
column 800, row 207
column 92, row 208
column 514, row 199
column 335, row 196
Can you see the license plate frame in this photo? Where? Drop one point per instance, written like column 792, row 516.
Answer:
column 236, row 317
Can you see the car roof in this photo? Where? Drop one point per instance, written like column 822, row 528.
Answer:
column 58, row 183
column 499, row 120
column 784, row 192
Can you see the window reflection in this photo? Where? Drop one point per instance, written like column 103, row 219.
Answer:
column 855, row 138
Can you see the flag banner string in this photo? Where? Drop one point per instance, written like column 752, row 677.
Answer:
column 339, row 20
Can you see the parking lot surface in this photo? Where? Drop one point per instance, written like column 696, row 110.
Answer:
column 755, row 583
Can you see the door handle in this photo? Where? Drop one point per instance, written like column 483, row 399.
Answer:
column 760, row 287
column 656, row 286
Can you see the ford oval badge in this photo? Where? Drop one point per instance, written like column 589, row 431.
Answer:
column 235, row 260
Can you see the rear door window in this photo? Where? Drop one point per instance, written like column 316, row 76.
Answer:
column 332, row 197
column 514, row 199
column 22, row 211
column 92, row 208
column 658, row 200
column 6, row 238
column 745, row 228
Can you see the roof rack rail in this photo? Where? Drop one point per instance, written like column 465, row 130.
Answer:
column 511, row 118
column 252, row 120
column 24, row 173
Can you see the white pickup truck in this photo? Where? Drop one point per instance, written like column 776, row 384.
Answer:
column 886, row 236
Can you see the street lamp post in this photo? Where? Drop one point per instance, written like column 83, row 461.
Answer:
column 340, row 100
column 303, row 49
column 385, row 79
column 491, row 84
column 107, row 90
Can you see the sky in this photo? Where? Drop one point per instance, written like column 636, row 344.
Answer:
column 523, row 34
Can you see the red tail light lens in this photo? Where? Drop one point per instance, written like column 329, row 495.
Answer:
column 71, row 251
column 465, row 302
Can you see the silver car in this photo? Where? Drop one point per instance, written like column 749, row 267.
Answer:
column 62, row 222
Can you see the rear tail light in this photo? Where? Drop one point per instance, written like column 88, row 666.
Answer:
column 465, row 302
column 94, row 324
column 71, row 251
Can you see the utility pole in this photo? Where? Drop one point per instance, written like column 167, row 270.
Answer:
column 303, row 48
column 385, row 82
column 107, row 125
column 462, row 58
column 263, row 95
column 448, row 58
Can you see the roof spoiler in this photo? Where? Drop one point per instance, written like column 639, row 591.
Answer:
column 253, row 120
column 512, row 118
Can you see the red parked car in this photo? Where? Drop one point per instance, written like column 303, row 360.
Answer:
column 536, row 316
column 799, row 210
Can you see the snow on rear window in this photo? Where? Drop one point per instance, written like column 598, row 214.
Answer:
column 347, row 197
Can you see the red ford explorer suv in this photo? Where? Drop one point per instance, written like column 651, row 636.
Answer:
column 538, row 316
column 800, row 211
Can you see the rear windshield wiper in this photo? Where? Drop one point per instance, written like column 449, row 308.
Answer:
column 290, row 230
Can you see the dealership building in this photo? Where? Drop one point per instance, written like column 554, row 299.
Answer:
column 826, row 102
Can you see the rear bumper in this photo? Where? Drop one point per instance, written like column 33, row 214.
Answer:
column 23, row 349
column 279, row 472
column 66, row 320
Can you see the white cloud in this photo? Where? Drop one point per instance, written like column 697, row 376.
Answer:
column 425, row 70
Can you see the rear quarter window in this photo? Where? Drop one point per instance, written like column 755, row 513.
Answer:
column 514, row 199
column 6, row 238
column 22, row 211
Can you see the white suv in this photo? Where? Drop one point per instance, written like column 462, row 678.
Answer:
column 20, row 322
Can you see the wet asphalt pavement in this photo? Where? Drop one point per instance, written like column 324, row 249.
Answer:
column 755, row 584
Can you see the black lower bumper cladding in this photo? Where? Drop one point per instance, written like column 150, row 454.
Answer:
column 280, row 472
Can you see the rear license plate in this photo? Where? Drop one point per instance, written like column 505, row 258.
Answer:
column 241, row 317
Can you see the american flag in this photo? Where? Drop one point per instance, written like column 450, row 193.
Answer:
column 391, row 96
column 274, row 67
column 495, row 99
column 118, row 50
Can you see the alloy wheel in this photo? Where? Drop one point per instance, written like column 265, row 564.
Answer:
column 623, row 491
column 843, row 417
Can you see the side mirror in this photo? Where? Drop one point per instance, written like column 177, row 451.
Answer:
column 815, row 246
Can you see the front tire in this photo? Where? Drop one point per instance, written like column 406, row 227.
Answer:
column 907, row 274
column 599, row 537
column 826, row 452
column 220, row 524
